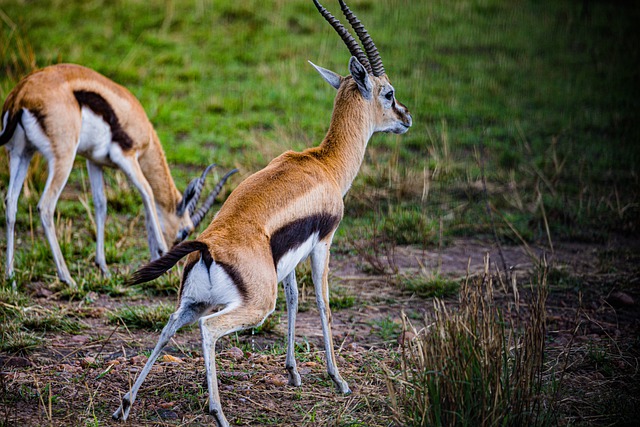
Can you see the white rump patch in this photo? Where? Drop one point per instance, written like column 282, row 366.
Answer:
column 36, row 136
column 212, row 287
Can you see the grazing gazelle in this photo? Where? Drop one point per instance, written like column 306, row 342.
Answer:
column 275, row 219
column 64, row 110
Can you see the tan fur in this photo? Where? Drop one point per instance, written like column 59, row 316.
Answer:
column 268, row 224
column 49, row 93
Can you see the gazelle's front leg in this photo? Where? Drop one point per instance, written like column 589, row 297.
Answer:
column 320, row 276
column 100, row 206
column 131, row 168
column 291, row 295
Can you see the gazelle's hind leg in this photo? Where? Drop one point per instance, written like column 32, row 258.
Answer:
column 100, row 206
column 59, row 147
column 320, row 277
column 213, row 327
column 184, row 315
column 20, row 155
column 59, row 170
column 291, row 295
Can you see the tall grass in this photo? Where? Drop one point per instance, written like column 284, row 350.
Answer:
column 228, row 82
column 477, row 365
column 17, row 57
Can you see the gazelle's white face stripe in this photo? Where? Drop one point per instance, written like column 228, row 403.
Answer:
column 396, row 117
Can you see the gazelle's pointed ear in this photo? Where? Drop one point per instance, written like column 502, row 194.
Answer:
column 329, row 76
column 361, row 77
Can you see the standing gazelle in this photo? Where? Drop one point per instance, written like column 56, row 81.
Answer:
column 66, row 109
column 275, row 219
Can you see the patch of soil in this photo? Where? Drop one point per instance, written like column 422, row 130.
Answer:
column 593, row 330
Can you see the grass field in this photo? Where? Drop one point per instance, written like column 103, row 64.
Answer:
column 543, row 95
column 525, row 134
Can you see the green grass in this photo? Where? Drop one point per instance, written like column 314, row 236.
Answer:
column 386, row 328
column 340, row 302
column 14, row 339
column 542, row 94
column 538, row 99
column 152, row 317
column 18, row 341
column 51, row 321
column 427, row 287
column 23, row 323
column 11, row 301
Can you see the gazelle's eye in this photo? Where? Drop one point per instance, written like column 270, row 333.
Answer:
column 389, row 95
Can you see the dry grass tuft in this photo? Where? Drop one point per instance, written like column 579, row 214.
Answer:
column 474, row 365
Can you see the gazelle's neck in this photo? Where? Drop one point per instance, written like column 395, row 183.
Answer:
column 155, row 168
column 343, row 148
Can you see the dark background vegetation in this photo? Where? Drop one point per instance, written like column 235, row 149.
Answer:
column 525, row 140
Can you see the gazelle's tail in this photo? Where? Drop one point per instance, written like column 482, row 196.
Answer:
column 9, row 124
column 158, row 267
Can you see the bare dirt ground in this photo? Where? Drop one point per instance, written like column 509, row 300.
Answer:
column 593, row 335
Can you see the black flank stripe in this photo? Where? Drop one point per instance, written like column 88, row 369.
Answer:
column 40, row 116
column 12, row 122
column 297, row 232
column 101, row 107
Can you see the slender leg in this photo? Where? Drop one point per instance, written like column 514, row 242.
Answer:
column 100, row 206
column 291, row 293
column 20, row 157
column 58, row 145
column 131, row 168
column 183, row 316
column 213, row 327
column 59, row 170
column 320, row 276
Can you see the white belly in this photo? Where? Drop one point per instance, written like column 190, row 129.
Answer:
column 293, row 257
column 95, row 138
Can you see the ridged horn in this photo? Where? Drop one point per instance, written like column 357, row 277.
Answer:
column 191, row 206
column 188, row 192
column 192, row 193
column 369, row 47
column 208, row 203
column 346, row 36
